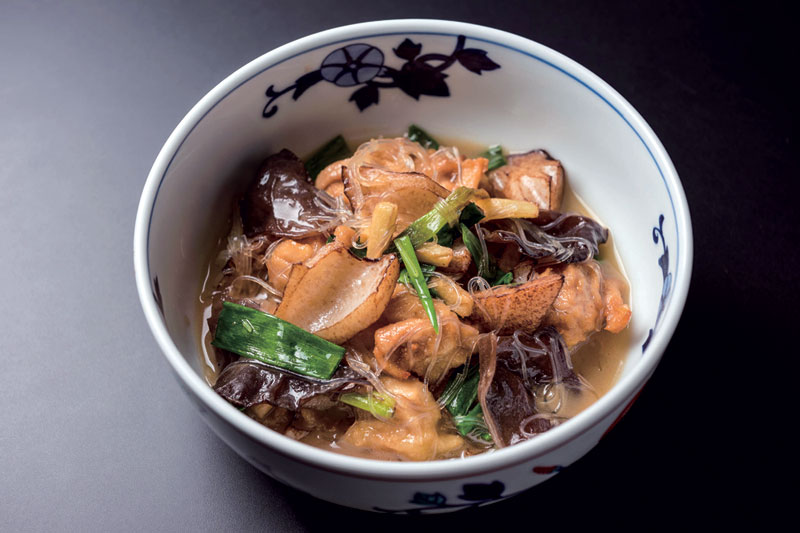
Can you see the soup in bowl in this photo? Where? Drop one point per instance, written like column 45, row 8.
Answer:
column 341, row 315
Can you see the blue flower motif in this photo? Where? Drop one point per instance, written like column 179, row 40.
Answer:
column 354, row 64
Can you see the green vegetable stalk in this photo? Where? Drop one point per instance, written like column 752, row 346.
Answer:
column 495, row 156
column 258, row 335
column 485, row 264
column 415, row 275
column 445, row 213
column 460, row 397
column 374, row 403
column 418, row 135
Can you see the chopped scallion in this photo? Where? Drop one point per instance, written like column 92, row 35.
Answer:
column 427, row 270
column 361, row 253
column 471, row 215
column 505, row 279
column 374, row 403
column 473, row 423
column 406, row 249
column 258, row 335
column 445, row 213
column 460, row 394
column 418, row 135
column 330, row 152
column 495, row 156
column 461, row 400
column 485, row 264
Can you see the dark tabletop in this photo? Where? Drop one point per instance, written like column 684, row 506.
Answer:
column 95, row 433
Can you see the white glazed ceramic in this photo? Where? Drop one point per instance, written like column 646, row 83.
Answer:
column 537, row 98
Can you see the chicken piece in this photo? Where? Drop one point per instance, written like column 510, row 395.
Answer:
column 409, row 343
column 446, row 166
column 533, row 177
column 330, row 179
column 586, row 303
column 412, row 433
column 344, row 234
column 578, row 308
column 472, row 170
column 616, row 312
column 289, row 252
column 403, row 305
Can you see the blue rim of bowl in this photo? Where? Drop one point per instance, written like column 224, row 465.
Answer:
column 427, row 471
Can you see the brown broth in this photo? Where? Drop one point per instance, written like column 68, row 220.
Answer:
column 599, row 360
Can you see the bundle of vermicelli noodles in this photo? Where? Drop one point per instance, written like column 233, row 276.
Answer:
column 390, row 155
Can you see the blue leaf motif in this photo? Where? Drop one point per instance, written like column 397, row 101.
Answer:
column 365, row 96
column 475, row 60
column 408, row 50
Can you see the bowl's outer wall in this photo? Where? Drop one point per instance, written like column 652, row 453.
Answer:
column 527, row 103
column 376, row 494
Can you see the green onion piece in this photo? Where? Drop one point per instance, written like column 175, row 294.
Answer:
column 505, row 279
column 486, row 267
column 361, row 253
column 258, row 335
column 330, row 152
column 427, row 270
column 445, row 237
column 416, row 277
column 374, row 403
column 495, row 156
column 460, row 396
column 444, row 213
column 461, row 400
column 418, row 135
column 473, row 423
column 471, row 215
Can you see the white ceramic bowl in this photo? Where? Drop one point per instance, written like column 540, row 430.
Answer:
column 299, row 96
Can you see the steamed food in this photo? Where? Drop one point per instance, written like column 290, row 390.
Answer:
column 407, row 302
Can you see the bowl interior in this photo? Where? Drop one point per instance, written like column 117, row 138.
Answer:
column 535, row 99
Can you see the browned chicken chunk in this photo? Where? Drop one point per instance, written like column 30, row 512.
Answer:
column 413, row 431
column 409, row 343
column 289, row 252
column 587, row 302
column 533, row 177
column 330, row 179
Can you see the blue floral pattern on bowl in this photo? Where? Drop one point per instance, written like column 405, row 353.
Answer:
column 473, row 495
column 663, row 262
column 363, row 65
